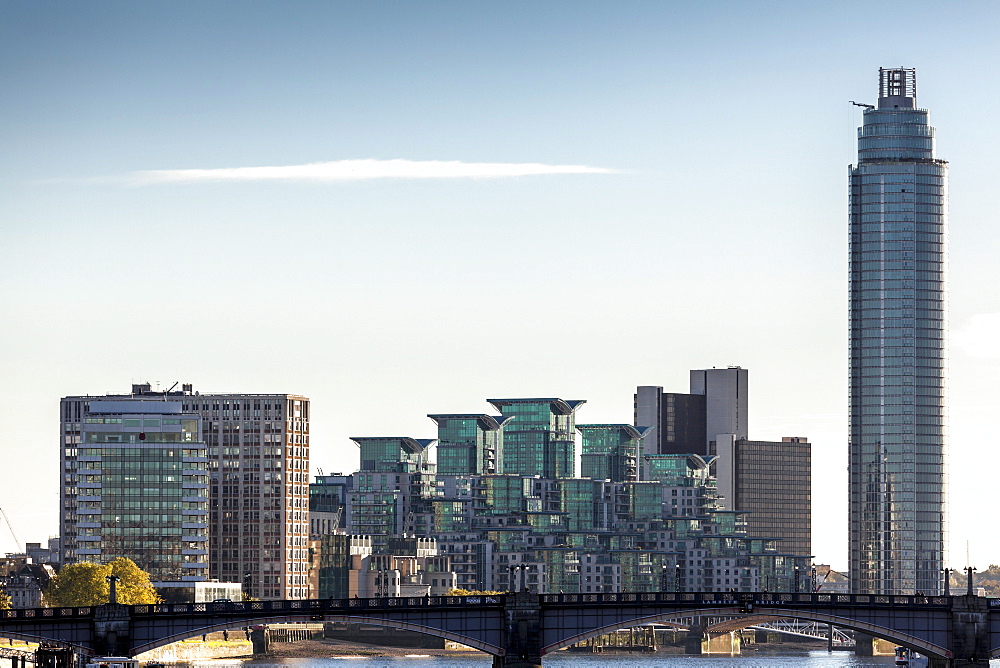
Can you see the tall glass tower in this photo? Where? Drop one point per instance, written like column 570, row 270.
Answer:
column 898, row 226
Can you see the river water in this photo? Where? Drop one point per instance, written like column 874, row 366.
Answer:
column 803, row 659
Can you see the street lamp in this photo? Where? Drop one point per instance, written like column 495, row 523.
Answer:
column 247, row 581
column 514, row 569
column 797, row 579
column 677, row 577
column 114, row 579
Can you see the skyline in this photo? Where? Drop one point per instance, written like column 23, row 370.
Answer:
column 717, row 237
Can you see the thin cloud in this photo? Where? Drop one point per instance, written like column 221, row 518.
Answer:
column 359, row 170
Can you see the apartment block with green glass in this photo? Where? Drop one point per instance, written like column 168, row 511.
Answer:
column 611, row 451
column 580, row 500
column 394, row 490
column 469, row 444
column 138, row 488
column 393, row 454
column 541, row 440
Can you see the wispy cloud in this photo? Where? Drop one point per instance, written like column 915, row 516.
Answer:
column 357, row 170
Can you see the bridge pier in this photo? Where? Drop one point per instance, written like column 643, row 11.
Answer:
column 694, row 641
column 864, row 644
column 112, row 623
column 970, row 631
column 260, row 636
column 523, row 632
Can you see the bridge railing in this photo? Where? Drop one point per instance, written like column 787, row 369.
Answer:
column 44, row 613
column 698, row 599
column 318, row 606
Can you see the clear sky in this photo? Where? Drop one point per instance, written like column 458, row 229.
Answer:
column 465, row 200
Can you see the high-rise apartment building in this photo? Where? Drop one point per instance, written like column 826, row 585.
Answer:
column 257, row 451
column 392, row 492
column 135, row 485
column 898, row 237
column 541, row 439
column 469, row 444
column 611, row 451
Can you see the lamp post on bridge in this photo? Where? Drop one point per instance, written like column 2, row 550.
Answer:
column 947, row 581
column 677, row 577
column 113, row 580
column 514, row 569
column 969, row 570
column 798, row 578
column 247, row 581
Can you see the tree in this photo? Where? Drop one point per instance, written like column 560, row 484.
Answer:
column 85, row 583
column 5, row 601
column 471, row 592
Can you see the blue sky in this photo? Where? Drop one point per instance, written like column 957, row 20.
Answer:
column 711, row 232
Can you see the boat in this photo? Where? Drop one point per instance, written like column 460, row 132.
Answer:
column 902, row 656
column 112, row 662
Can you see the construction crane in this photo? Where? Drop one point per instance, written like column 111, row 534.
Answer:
column 17, row 541
column 862, row 104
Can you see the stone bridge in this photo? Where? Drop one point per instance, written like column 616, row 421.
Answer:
column 519, row 629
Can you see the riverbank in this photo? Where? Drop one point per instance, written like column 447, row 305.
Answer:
column 318, row 649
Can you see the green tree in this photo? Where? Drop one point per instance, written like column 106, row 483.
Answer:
column 5, row 601
column 85, row 584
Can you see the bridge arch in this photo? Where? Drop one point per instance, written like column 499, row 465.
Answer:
column 923, row 646
column 346, row 618
column 29, row 637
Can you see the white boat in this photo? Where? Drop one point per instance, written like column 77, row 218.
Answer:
column 112, row 662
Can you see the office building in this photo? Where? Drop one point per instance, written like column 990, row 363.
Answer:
column 772, row 481
column 541, row 439
column 676, row 422
column 725, row 392
column 689, row 423
column 257, row 452
column 135, row 485
column 898, row 236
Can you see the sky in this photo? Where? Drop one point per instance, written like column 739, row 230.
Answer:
column 404, row 208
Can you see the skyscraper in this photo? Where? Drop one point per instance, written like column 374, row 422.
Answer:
column 898, row 224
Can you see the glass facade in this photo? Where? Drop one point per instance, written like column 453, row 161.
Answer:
column 469, row 444
column 611, row 451
column 139, row 489
column 898, row 237
column 541, row 439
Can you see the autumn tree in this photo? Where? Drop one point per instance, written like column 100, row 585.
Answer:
column 85, row 584
column 471, row 592
column 5, row 601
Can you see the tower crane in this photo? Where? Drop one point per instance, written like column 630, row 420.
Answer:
column 17, row 541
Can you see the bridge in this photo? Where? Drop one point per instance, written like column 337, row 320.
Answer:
column 519, row 629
